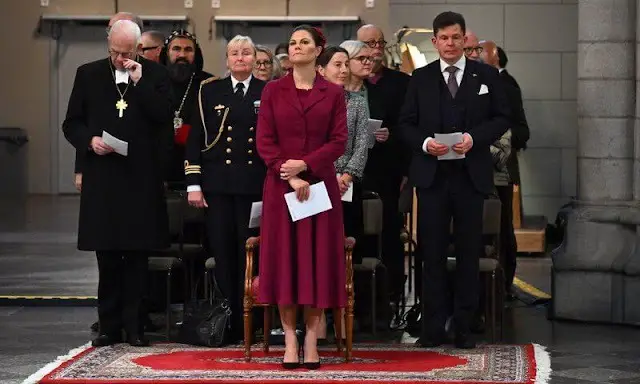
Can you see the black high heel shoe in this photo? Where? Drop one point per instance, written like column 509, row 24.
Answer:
column 311, row 365
column 292, row 365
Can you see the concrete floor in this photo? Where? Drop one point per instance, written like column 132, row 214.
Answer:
column 38, row 257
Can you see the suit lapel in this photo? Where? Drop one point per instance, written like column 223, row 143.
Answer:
column 469, row 87
column 317, row 93
column 253, row 93
column 290, row 93
column 227, row 88
column 433, row 88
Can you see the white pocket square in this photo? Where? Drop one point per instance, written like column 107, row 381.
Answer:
column 483, row 89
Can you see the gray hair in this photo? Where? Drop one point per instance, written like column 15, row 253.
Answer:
column 276, row 68
column 282, row 56
column 127, row 27
column 353, row 47
column 239, row 39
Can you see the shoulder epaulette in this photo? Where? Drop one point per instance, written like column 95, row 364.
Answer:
column 208, row 80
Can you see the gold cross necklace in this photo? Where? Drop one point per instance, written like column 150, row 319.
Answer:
column 121, row 105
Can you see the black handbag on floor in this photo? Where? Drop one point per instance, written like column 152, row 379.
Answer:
column 206, row 322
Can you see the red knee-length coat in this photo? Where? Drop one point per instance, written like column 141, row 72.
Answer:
column 303, row 262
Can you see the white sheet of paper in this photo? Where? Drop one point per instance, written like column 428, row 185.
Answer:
column 256, row 214
column 373, row 126
column 449, row 139
column 119, row 146
column 348, row 196
column 318, row 202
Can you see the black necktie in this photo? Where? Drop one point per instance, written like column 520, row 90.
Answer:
column 239, row 90
column 452, row 83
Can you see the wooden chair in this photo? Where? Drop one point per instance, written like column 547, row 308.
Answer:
column 251, row 287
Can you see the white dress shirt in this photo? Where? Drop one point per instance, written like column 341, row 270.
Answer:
column 460, row 64
column 234, row 82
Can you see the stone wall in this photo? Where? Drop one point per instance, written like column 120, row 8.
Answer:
column 596, row 272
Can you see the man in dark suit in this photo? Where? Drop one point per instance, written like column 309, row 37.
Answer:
column 388, row 162
column 520, row 127
column 519, row 137
column 223, row 170
column 502, row 67
column 452, row 94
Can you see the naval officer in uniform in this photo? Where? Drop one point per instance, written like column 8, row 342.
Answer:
column 223, row 172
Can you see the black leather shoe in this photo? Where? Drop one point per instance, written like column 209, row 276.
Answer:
column 137, row 341
column 105, row 340
column 464, row 341
column 431, row 341
column 425, row 342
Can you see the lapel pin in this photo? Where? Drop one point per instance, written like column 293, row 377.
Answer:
column 219, row 108
column 474, row 75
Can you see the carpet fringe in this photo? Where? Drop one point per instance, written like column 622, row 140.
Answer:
column 44, row 371
column 543, row 364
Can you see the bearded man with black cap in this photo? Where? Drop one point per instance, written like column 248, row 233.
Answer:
column 183, row 57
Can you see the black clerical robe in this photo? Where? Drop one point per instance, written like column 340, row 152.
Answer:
column 122, row 205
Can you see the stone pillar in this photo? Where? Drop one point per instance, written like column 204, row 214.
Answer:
column 589, row 269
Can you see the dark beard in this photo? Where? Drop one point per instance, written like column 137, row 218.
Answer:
column 181, row 71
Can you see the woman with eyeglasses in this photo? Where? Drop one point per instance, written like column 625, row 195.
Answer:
column 360, row 66
column 266, row 67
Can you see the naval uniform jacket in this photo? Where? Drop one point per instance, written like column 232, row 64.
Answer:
column 221, row 155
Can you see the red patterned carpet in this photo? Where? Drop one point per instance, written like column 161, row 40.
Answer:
column 373, row 363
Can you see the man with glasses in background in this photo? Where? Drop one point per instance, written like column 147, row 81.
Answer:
column 388, row 162
column 152, row 42
column 472, row 47
column 123, row 134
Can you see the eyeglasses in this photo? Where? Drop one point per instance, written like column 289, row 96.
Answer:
column 145, row 49
column 478, row 50
column 363, row 59
column 265, row 63
column 124, row 55
column 374, row 43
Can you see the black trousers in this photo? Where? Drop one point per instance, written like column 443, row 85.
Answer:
column 451, row 196
column 227, row 222
column 353, row 221
column 392, row 250
column 122, row 288
column 508, row 244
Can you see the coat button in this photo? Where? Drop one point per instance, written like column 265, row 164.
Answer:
column 228, row 161
column 250, row 151
column 249, row 162
column 251, row 139
column 228, row 150
column 230, row 128
column 229, row 139
column 251, row 129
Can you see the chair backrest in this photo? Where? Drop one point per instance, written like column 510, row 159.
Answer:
column 176, row 204
column 406, row 200
column 491, row 212
column 372, row 216
column 491, row 217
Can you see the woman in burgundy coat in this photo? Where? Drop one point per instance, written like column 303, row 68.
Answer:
column 302, row 131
